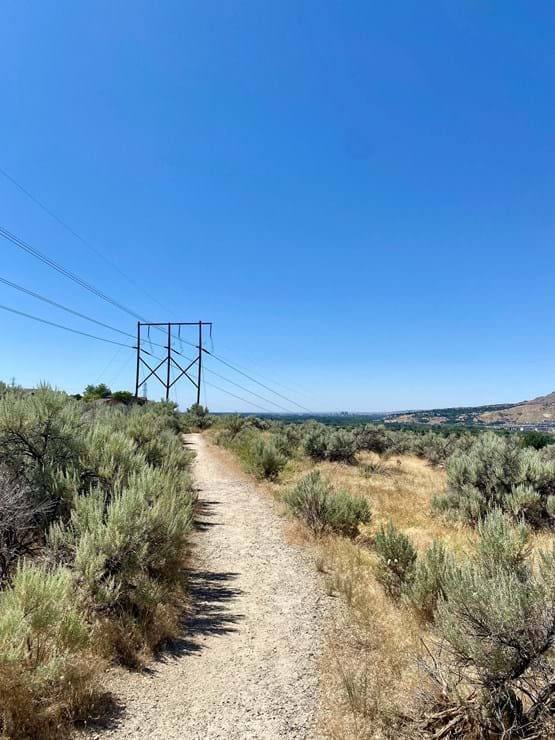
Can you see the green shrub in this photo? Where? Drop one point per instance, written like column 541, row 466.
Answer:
column 496, row 619
column 44, row 673
column 373, row 438
column 341, row 446
column 315, row 444
column 197, row 417
column 346, row 513
column 264, row 459
column 128, row 551
column 323, row 509
column 429, row 581
column 105, row 497
column 502, row 546
column 396, row 560
column 337, row 445
column 95, row 392
column 41, row 443
column 285, row 442
column 499, row 630
column 125, row 397
column 110, row 456
column 495, row 473
column 537, row 440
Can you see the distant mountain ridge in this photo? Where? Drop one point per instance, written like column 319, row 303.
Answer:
column 540, row 410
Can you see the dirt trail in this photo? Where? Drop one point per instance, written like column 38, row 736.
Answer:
column 247, row 666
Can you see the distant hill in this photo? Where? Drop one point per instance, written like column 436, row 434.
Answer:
column 538, row 411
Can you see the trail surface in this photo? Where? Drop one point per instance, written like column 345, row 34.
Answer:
column 247, row 665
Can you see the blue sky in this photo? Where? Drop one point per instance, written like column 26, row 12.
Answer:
column 359, row 195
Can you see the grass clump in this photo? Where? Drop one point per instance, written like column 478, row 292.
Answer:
column 323, row 509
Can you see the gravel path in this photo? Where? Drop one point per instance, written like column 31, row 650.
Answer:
column 247, row 666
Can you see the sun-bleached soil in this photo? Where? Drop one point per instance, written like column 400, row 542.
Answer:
column 247, row 665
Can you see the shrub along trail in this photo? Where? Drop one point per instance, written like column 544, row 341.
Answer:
column 247, row 665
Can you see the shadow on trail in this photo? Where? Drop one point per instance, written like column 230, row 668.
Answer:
column 205, row 510
column 211, row 595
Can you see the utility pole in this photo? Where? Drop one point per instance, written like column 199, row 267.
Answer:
column 162, row 370
column 199, row 361
column 169, row 363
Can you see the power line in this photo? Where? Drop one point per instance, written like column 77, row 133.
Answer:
column 74, row 233
column 63, row 271
column 246, row 375
column 229, row 393
column 100, row 294
column 61, row 326
column 251, row 403
column 107, row 366
column 232, row 382
column 252, row 367
column 96, row 251
column 242, row 387
column 64, row 308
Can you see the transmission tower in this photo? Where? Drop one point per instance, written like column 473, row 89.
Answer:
column 162, row 371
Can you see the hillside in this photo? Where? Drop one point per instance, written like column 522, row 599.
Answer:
column 538, row 411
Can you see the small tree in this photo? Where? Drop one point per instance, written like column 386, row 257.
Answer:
column 198, row 417
column 125, row 397
column 95, row 392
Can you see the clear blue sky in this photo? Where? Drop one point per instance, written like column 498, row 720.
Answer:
column 359, row 195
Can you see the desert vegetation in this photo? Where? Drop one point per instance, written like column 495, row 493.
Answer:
column 96, row 505
column 442, row 545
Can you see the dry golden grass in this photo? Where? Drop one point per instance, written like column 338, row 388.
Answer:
column 370, row 668
column 400, row 492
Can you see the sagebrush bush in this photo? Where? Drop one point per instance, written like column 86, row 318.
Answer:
column 197, row 418
column 496, row 473
column 396, row 560
column 335, row 445
column 323, row 509
column 499, row 630
column 264, row 459
column 341, row 446
column 496, row 619
column 128, row 550
column 428, row 582
column 19, row 517
column 503, row 546
column 346, row 513
column 103, row 498
column 44, row 667
column 315, row 443
column 41, row 442
column 285, row 441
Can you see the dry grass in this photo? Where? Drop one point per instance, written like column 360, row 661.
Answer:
column 370, row 670
column 401, row 491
